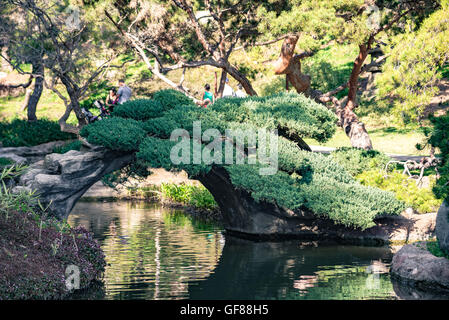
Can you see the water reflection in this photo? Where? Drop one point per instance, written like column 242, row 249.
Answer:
column 158, row 253
column 152, row 252
column 410, row 292
column 288, row 270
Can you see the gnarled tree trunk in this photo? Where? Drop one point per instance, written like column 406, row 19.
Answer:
column 74, row 106
column 38, row 69
column 348, row 120
column 241, row 78
column 290, row 65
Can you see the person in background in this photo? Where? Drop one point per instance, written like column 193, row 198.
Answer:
column 124, row 92
column 240, row 93
column 228, row 91
column 208, row 97
column 112, row 99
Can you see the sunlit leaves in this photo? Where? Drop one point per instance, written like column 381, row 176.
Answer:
column 410, row 73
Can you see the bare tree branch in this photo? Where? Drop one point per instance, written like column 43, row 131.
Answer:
column 14, row 86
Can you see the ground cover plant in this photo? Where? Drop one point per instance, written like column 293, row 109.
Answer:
column 19, row 133
column 37, row 248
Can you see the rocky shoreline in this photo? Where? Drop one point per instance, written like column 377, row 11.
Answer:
column 416, row 266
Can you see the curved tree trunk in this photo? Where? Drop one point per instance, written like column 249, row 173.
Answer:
column 220, row 87
column 300, row 81
column 25, row 102
column 348, row 120
column 38, row 69
column 77, row 110
column 74, row 106
column 290, row 64
column 241, row 78
column 353, row 128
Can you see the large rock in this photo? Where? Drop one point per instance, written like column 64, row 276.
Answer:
column 28, row 155
column 442, row 227
column 415, row 265
column 244, row 217
column 61, row 179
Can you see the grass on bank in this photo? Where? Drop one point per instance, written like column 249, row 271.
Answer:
column 50, row 106
column 434, row 248
column 194, row 196
column 388, row 140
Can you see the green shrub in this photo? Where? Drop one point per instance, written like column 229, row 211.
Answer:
column 439, row 138
column 183, row 117
column 144, row 109
column 291, row 113
column 304, row 179
column 420, row 199
column 195, row 196
column 5, row 162
column 170, row 99
column 18, row 133
column 356, row 160
column 350, row 204
column 308, row 163
column 115, row 133
column 139, row 109
column 155, row 153
column 162, row 126
column 74, row 145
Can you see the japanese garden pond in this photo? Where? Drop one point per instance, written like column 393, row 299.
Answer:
column 154, row 252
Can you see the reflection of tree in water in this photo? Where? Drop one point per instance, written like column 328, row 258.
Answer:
column 152, row 253
column 285, row 270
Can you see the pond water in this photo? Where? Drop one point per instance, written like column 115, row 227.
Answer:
column 159, row 253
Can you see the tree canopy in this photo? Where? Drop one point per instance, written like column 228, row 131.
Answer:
column 304, row 180
column 409, row 76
